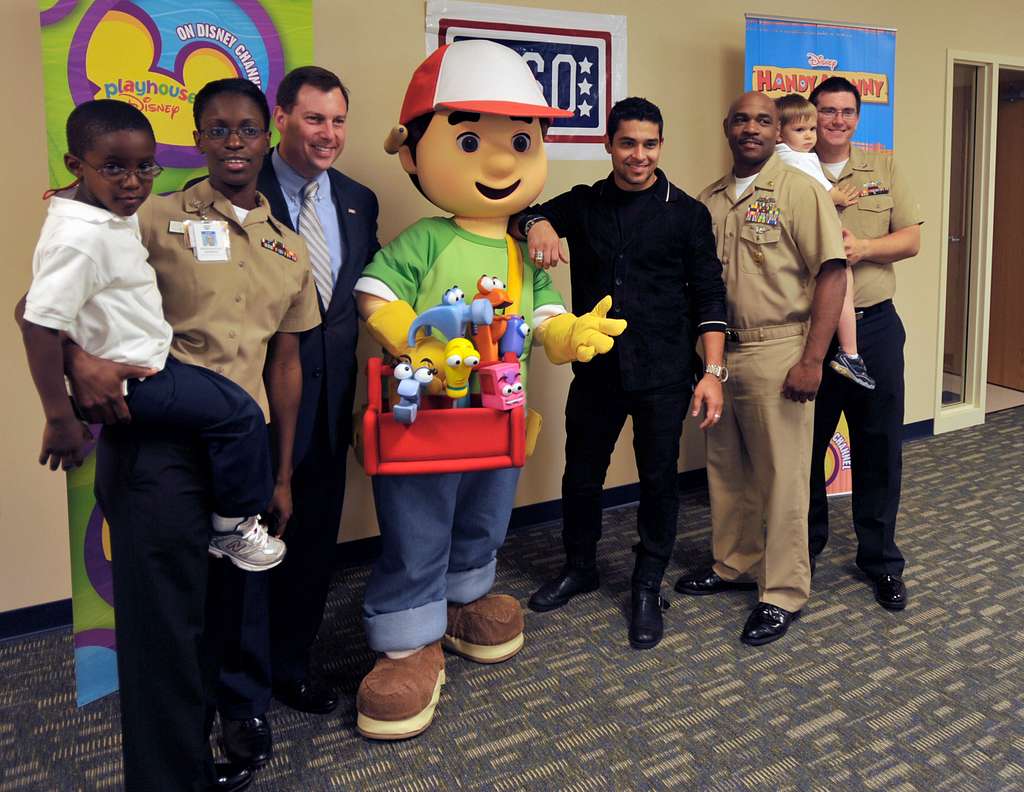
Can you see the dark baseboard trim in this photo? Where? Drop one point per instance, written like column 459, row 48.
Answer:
column 23, row 622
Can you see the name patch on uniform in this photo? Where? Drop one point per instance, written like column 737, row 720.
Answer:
column 276, row 246
column 763, row 211
column 873, row 188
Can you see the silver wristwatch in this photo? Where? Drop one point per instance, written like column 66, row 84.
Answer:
column 530, row 222
column 716, row 370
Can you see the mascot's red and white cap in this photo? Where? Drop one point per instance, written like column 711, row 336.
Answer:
column 476, row 76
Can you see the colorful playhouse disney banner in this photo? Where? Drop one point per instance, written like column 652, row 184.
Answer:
column 155, row 55
column 794, row 55
column 579, row 61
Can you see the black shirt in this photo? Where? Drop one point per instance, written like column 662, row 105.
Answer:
column 653, row 251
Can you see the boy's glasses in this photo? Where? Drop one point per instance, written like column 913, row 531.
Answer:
column 116, row 173
column 831, row 112
column 223, row 132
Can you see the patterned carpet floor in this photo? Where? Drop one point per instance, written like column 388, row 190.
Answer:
column 853, row 698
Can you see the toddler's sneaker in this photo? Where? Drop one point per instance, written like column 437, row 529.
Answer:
column 852, row 368
column 249, row 546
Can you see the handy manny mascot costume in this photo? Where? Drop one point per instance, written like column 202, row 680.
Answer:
column 471, row 139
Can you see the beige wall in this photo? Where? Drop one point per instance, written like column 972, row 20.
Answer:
column 688, row 61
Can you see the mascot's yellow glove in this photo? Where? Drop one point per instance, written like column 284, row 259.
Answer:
column 568, row 338
column 389, row 325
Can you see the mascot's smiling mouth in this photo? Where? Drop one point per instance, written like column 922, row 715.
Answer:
column 495, row 194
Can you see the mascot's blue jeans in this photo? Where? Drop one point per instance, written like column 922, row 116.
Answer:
column 440, row 534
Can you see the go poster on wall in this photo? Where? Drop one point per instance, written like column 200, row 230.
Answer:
column 155, row 55
column 579, row 61
column 786, row 56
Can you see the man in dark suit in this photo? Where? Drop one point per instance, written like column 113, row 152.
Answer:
column 281, row 611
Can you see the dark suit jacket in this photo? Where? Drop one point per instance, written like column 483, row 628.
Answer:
column 328, row 352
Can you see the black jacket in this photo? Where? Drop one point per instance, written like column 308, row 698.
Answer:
column 663, row 274
column 329, row 350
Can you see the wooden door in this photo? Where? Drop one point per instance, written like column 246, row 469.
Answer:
column 1006, row 316
column 958, row 245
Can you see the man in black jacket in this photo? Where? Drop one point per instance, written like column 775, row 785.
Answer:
column 636, row 236
column 281, row 611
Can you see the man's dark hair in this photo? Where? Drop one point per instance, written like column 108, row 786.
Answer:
column 230, row 85
column 100, row 117
column 321, row 79
column 634, row 108
column 835, row 85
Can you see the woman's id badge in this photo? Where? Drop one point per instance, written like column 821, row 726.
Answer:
column 210, row 241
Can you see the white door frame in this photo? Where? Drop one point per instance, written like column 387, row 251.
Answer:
column 971, row 411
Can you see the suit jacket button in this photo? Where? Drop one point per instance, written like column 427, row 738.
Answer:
column 316, row 372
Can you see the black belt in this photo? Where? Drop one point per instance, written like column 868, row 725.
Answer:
column 860, row 313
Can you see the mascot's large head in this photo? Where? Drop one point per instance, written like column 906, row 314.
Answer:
column 471, row 132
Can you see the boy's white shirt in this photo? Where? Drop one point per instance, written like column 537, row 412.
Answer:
column 807, row 161
column 91, row 278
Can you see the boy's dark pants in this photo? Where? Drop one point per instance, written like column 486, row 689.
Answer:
column 199, row 402
column 595, row 412
column 154, row 492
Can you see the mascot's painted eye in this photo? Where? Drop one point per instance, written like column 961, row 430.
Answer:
column 518, row 387
column 471, row 360
column 424, row 375
column 468, row 142
column 454, row 361
column 403, row 371
column 453, row 295
column 521, row 142
column 506, row 390
column 487, row 283
column 496, row 283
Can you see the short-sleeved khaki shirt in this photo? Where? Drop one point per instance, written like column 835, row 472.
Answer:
column 772, row 242
column 885, row 205
column 224, row 313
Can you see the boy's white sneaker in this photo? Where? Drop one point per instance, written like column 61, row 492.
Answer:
column 249, row 546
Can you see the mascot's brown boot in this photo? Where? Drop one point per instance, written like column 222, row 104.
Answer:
column 487, row 630
column 397, row 698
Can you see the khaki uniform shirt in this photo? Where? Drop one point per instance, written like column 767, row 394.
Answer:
column 772, row 242
column 885, row 205
column 224, row 313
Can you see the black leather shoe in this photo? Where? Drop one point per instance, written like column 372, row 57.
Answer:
column 890, row 592
column 710, row 583
column 767, row 623
column 555, row 593
column 645, row 624
column 306, row 696
column 247, row 742
column 230, row 777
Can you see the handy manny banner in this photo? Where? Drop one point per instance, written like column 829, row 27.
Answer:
column 579, row 61
column 155, row 55
column 793, row 55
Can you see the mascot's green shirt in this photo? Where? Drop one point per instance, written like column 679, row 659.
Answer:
column 434, row 254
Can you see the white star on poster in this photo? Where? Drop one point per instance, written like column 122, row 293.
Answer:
column 585, row 66
column 585, row 87
column 584, row 108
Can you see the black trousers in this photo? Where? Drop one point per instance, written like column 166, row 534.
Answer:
column 154, row 492
column 875, row 419
column 595, row 412
column 275, row 615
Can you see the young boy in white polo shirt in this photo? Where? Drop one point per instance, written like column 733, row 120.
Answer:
column 798, row 119
column 92, row 280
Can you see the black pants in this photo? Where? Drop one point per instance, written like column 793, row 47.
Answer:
column 154, row 493
column 595, row 412
column 276, row 619
column 875, row 419
column 229, row 422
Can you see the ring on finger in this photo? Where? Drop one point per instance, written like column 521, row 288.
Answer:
column 538, row 256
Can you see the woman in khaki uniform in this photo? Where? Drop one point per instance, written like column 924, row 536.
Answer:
column 780, row 242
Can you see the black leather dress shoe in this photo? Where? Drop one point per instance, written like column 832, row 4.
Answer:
column 306, row 696
column 767, row 623
column 247, row 742
column 645, row 624
column 709, row 582
column 571, row 581
column 230, row 777
column 890, row 592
